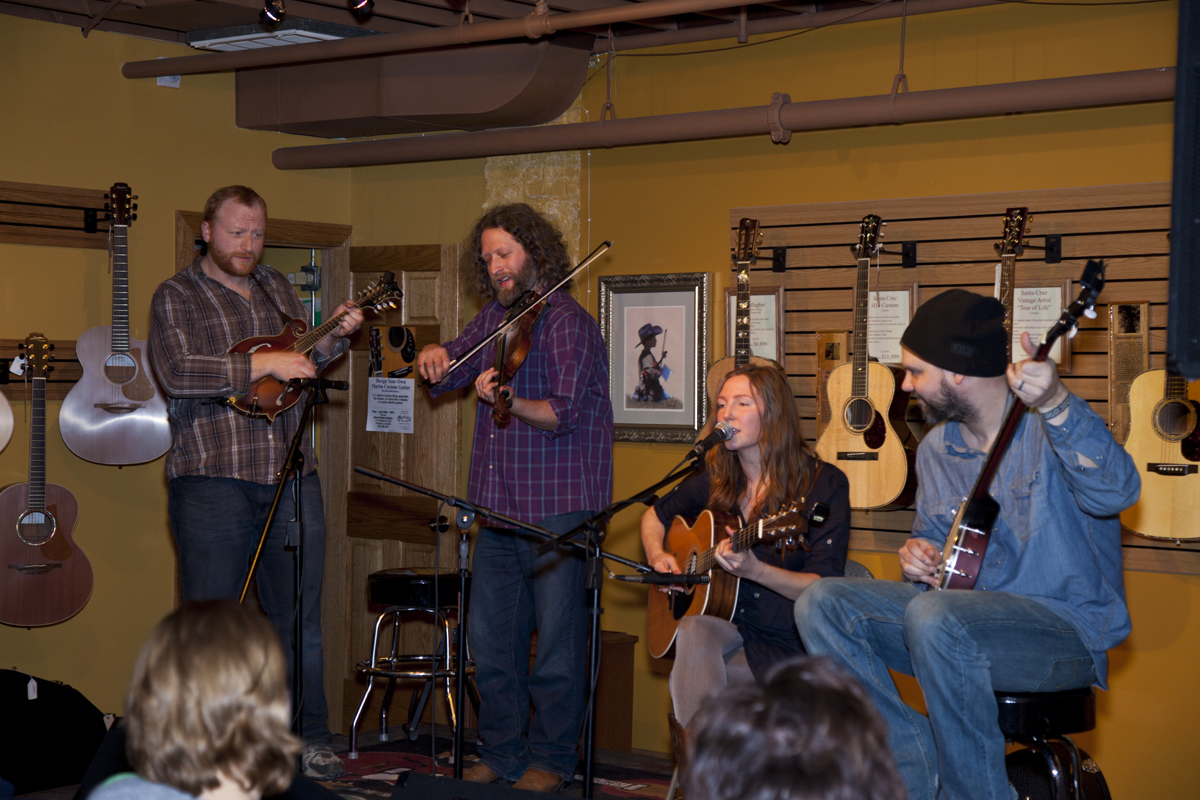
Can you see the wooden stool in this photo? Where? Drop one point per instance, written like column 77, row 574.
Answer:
column 395, row 592
column 1035, row 719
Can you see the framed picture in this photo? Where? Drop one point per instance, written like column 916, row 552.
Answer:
column 766, row 322
column 656, row 327
column 888, row 314
column 1035, row 310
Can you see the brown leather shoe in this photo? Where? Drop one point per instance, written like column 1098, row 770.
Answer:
column 680, row 739
column 538, row 780
column 480, row 772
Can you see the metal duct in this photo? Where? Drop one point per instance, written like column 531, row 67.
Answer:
column 532, row 26
column 780, row 119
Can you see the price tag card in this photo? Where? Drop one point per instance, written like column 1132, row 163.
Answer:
column 390, row 404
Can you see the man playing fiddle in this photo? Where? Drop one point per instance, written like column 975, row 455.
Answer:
column 550, row 465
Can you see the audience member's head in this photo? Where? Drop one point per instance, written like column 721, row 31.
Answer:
column 807, row 732
column 208, row 699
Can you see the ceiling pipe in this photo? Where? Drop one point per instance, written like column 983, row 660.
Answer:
column 779, row 119
column 783, row 23
column 533, row 26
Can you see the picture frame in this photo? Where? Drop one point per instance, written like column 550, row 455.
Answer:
column 766, row 322
column 656, row 398
column 1036, row 309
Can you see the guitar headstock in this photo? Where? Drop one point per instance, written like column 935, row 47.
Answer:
column 383, row 293
column 749, row 239
column 120, row 205
column 1090, row 286
column 869, row 234
column 36, row 348
column 1015, row 222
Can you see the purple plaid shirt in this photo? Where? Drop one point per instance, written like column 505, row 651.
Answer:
column 522, row 471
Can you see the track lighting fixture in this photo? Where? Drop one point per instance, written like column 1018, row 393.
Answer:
column 361, row 8
column 272, row 12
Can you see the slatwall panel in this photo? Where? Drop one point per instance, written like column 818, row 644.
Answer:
column 1125, row 225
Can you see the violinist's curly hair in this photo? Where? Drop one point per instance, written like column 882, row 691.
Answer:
column 545, row 249
column 807, row 732
column 209, row 696
column 788, row 461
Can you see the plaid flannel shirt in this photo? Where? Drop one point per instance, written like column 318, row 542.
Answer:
column 525, row 472
column 194, row 321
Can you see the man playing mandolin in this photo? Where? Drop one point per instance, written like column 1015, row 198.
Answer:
column 550, row 464
column 1050, row 597
column 766, row 466
column 222, row 466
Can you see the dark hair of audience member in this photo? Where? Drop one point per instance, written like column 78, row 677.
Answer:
column 209, row 696
column 807, row 732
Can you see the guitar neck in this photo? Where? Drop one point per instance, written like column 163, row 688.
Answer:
column 120, row 293
column 742, row 539
column 741, row 321
column 858, row 383
column 308, row 341
column 1175, row 387
column 37, row 446
column 1008, row 268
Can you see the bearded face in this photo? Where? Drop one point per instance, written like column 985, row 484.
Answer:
column 508, row 266
column 944, row 405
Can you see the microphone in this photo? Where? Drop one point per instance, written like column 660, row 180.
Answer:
column 664, row 579
column 722, row 433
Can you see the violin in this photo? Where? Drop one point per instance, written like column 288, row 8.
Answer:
column 511, row 351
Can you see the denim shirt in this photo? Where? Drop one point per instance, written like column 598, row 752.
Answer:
column 1058, row 538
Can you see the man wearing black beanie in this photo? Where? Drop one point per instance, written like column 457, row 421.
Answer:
column 1049, row 598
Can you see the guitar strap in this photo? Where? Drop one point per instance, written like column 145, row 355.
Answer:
column 284, row 317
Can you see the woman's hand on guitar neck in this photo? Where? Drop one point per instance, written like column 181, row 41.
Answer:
column 743, row 564
column 919, row 560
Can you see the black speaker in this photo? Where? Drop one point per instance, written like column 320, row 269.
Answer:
column 421, row 786
column 1183, row 321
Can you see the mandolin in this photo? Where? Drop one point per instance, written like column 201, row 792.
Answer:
column 1011, row 245
column 116, row 413
column 1164, row 442
column 868, row 438
column 268, row 397
column 718, row 598
column 47, row 579
column 745, row 255
column 967, row 541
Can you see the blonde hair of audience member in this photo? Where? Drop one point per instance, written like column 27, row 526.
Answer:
column 807, row 732
column 208, row 708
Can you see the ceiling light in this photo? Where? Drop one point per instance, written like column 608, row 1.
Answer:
column 361, row 8
column 272, row 12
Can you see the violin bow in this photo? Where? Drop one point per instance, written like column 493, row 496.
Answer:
column 600, row 250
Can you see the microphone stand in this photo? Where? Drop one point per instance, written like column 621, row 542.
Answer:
column 595, row 574
column 293, row 463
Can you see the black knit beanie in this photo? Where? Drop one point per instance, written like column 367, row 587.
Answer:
column 960, row 332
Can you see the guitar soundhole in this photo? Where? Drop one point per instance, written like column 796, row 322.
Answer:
column 35, row 527
column 1174, row 419
column 120, row 368
column 860, row 414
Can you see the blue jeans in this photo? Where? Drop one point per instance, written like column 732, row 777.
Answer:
column 217, row 523
column 961, row 646
column 512, row 593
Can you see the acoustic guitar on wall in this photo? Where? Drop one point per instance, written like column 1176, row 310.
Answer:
column 745, row 255
column 868, row 438
column 116, row 413
column 1164, row 442
column 47, row 579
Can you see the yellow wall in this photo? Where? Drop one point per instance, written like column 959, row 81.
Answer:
column 70, row 119
column 666, row 208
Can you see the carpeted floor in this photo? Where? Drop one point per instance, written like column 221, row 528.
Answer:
column 373, row 774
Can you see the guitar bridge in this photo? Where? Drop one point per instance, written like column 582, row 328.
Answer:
column 1173, row 470
column 119, row 408
column 33, row 569
column 857, row 456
